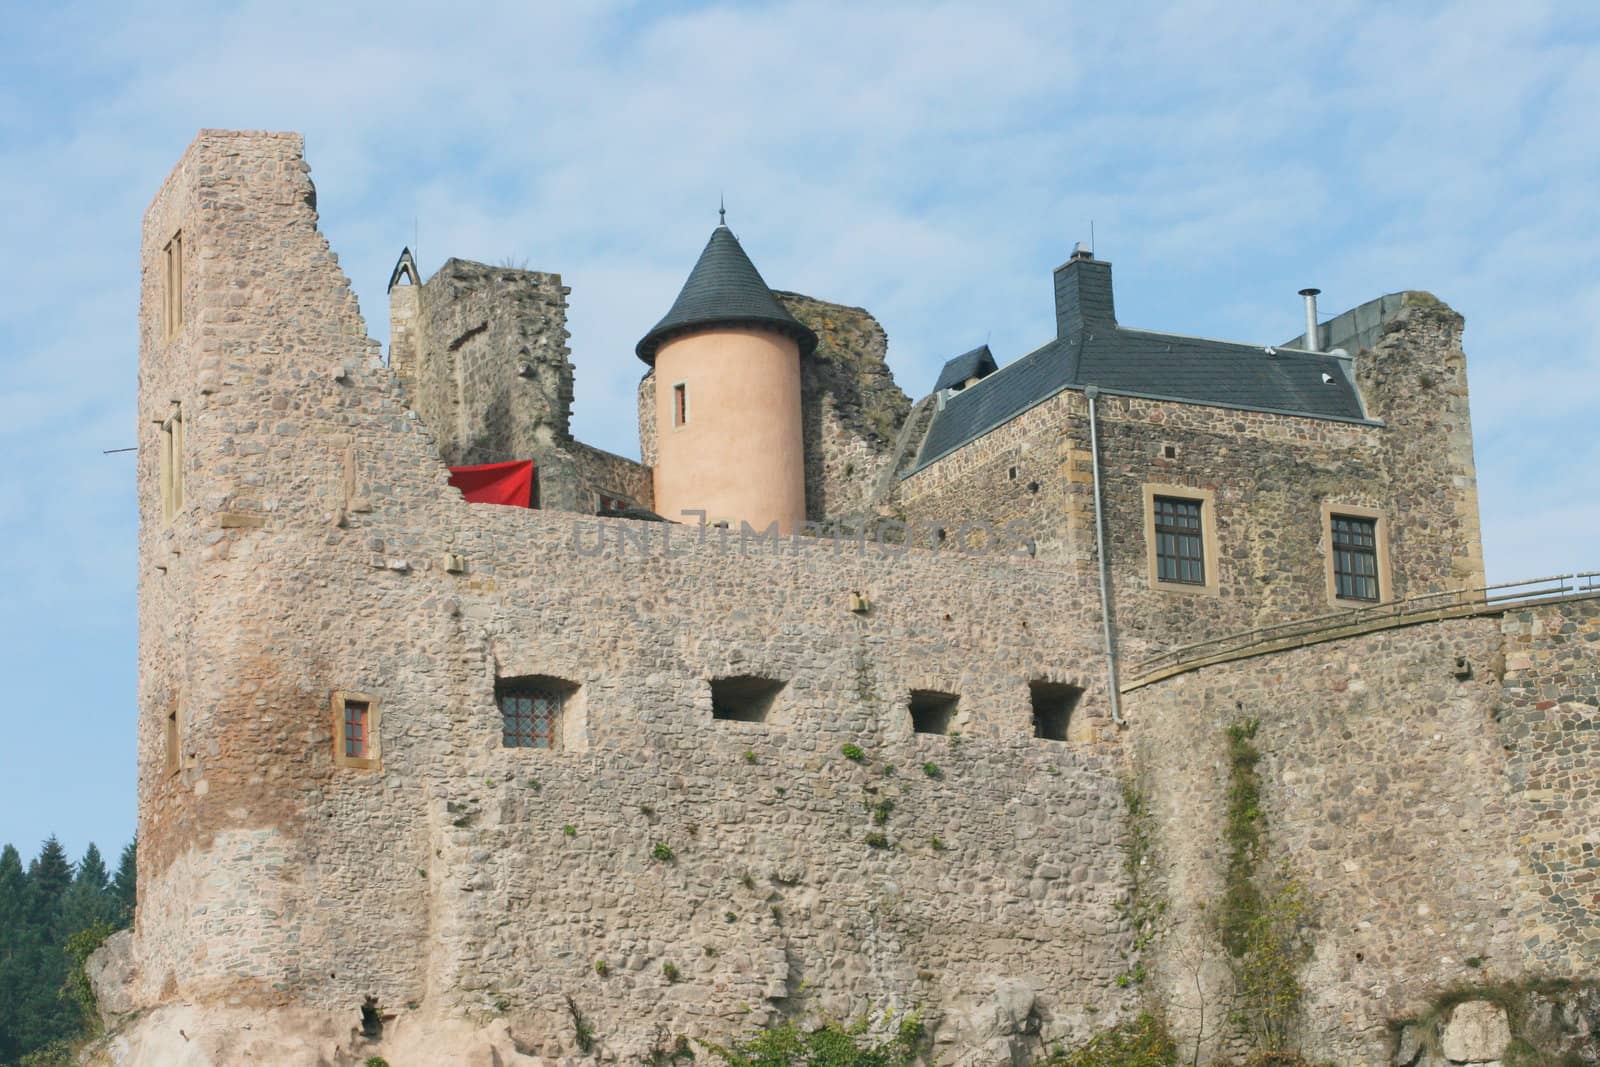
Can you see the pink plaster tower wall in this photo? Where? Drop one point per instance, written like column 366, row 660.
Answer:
column 737, row 454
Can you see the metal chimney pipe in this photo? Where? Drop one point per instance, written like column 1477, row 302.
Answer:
column 1313, row 336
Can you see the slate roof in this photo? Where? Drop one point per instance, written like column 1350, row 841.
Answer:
column 979, row 363
column 1143, row 363
column 724, row 289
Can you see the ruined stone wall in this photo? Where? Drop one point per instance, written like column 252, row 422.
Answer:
column 485, row 362
column 1269, row 477
column 1415, row 379
column 1433, row 788
column 270, row 343
column 850, row 407
column 647, row 418
column 468, row 880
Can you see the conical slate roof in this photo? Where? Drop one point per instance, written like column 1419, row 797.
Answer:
column 724, row 289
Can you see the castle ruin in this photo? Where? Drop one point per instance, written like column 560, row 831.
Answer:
column 856, row 727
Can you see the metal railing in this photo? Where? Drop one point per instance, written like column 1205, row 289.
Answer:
column 1479, row 600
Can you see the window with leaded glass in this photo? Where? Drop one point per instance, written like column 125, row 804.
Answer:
column 1355, row 557
column 357, row 729
column 1180, row 544
column 530, row 713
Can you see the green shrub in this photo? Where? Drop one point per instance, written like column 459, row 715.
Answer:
column 853, row 753
column 1144, row 1042
column 662, row 852
column 931, row 769
column 830, row 1045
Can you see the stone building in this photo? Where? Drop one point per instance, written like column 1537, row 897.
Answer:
column 451, row 782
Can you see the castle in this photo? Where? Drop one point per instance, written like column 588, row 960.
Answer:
column 861, row 724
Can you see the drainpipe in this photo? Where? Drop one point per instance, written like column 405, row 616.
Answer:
column 1093, row 393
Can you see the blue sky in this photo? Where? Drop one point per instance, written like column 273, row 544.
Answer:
column 931, row 163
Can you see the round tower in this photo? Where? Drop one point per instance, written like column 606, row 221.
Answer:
column 727, row 387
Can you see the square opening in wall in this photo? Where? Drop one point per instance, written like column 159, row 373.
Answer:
column 531, row 710
column 1053, row 705
column 931, row 712
column 743, row 698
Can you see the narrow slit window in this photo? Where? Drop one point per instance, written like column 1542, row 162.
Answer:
column 1355, row 557
column 171, row 463
column 172, row 286
column 530, row 714
column 1180, row 543
column 680, row 404
column 174, row 741
column 1053, row 705
column 932, row 713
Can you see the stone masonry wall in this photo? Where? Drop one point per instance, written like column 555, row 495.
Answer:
column 850, row 406
column 1549, row 716
column 1433, row 788
column 486, row 366
column 602, row 472
column 312, row 559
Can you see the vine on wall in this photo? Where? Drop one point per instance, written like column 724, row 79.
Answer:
column 1263, row 921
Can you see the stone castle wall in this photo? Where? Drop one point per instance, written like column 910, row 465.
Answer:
column 312, row 561
column 1433, row 787
column 850, row 407
column 1439, row 820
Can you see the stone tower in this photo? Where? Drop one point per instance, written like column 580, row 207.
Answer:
column 727, row 387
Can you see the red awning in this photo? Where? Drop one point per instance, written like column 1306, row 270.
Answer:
column 496, row 483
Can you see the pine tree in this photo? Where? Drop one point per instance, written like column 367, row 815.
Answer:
column 41, row 1015
column 16, row 952
column 88, row 901
column 124, row 884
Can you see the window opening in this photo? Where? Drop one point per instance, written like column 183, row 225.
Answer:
column 172, row 286
column 171, row 463
column 1355, row 557
column 931, row 712
column 1180, row 548
column 174, row 742
column 1053, row 704
column 680, row 404
column 357, row 729
column 531, row 711
column 745, row 698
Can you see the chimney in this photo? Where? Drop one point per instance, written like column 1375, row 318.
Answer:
column 1083, row 294
column 1313, row 334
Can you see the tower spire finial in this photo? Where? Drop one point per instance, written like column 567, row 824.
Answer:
column 722, row 210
